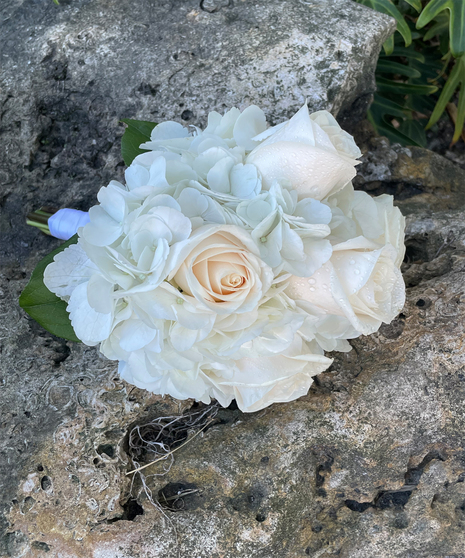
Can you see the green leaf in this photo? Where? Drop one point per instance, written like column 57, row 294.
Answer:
column 415, row 4
column 388, row 45
column 410, row 53
column 457, row 21
column 42, row 305
column 390, row 67
column 441, row 25
column 430, row 70
column 384, row 106
column 415, row 130
column 420, row 103
column 136, row 133
column 387, row 7
column 460, row 114
column 386, row 129
column 397, row 87
column 456, row 77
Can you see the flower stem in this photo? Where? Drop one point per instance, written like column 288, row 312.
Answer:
column 39, row 218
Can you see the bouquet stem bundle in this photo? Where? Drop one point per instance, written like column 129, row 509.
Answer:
column 39, row 219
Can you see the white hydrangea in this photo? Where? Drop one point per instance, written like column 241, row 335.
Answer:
column 232, row 258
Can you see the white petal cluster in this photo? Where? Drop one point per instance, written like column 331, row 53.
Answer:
column 232, row 258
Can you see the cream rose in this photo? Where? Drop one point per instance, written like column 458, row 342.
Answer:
column 361, row 282
column 301, row 155
column 221, row 267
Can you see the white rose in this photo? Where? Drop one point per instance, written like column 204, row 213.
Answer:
column 342, row 141
column 361, row 282
column 393, row 223
column 220, row 266
column 301, row 155
column 356, row 213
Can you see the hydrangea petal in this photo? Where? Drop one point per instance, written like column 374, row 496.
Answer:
column 135, row 334
column 168, row 130
column 245, row 181
column 136, row 176
column 90, row 326
column 250, row 123
column 69, row 268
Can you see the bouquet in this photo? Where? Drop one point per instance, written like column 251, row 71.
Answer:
column 229, row 262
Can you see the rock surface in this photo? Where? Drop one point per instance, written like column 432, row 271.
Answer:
column 371, row 462
column 418, row 178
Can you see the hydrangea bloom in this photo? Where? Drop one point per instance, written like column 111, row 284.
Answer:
column 232, row 258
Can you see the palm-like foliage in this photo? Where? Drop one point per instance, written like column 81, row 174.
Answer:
column 422, row 70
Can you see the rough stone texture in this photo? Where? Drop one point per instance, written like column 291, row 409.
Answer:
column 417, row 177
column 371, row 463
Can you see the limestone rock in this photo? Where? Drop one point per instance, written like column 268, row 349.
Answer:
column 369, row 464
column 417, row 177
column 71, row 72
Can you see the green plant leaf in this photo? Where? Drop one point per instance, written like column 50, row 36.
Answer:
column 388, row 45
column 390, row 67
column 415, row 4
column 456, row 78
column 415, row 130
column 386, row 129
column 441, row 26
column 420, row 103
column 387, row 7
column 410, row 53
column 456, row 25
column 42, row 305
column 430, row 70
column 400, row 88
column 136, row 133
column 460, row 114
column 383, row 106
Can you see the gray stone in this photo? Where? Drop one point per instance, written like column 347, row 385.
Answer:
column 370, row 464
column 71, row 72
column 417, row 177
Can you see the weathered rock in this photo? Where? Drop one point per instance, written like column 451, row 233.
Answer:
column 370, row 464
column 69, row 73
column 417, row 177
column 86, row 65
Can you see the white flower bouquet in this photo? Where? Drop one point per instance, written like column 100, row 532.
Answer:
column 229, row 262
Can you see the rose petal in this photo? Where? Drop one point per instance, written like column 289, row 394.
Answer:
column 312, row 171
